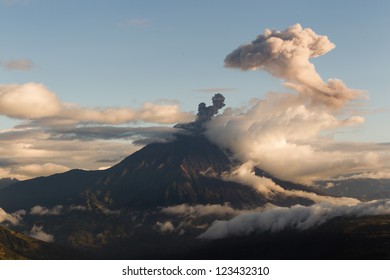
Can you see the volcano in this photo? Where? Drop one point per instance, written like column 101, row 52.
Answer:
column 186, row 170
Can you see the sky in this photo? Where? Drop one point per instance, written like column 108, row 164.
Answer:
column 82, row 80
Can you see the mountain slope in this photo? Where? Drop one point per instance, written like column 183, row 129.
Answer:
column 16, row 246
column 186, row 170
column 178, row 172
column 5, row 182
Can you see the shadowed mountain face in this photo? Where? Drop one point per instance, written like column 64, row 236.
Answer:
column 5, row 182
column 183, row 171
column 187, row 170
column 160, row 174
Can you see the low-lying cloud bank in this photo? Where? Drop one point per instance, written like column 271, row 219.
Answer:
column 297, row 217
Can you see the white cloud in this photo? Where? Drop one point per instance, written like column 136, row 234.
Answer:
column 244, row 174
column 286, row 54
column 298, row 217
column 57, row 136
column 77, row 208
column 36, row 152
column 166, row 226
column 11, row 218
column 35, row 170
column 38, row 233
column 199, row 210
column 33, row 101
column 290, row 135
column 43, row 211
column 28, row 101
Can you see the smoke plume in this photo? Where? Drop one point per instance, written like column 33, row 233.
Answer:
column 290, row 135
column 205, row 113
column 285, row 54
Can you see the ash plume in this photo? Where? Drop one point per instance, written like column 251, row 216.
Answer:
column 286, row 54
column 290, row 135
column 206, row 113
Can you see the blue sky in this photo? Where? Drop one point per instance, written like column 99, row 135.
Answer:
column 117, row 53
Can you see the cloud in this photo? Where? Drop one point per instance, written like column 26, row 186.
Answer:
column 290, row 135
column 297, row 217
column 244, row 174
column 166, row 226
column 135, row 22
column 54, row 136
column 77, row 208
column 43, row 211
column 40, row 151
column 19, row 65
column 279, row 132
column 11, row 218
column 364, row 175
column 37, row 232
column 285, row 54
column 197, row 211
column 34, row 101
column 35, row 170
column 28, row 101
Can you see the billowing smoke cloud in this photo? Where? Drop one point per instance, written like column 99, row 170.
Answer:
column 38, row 233
column 205, row 113
column 298, row 217
column 290, row 135
column 285, row 54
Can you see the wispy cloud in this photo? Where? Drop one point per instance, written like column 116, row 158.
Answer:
column 216, row 90
column 43, row 211
column 18, row 65
column 135, row 22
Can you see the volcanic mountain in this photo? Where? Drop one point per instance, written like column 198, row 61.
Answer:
column 186, row 170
